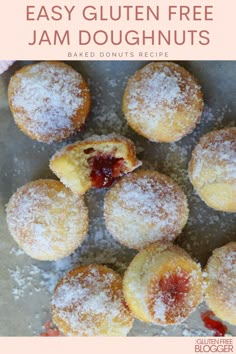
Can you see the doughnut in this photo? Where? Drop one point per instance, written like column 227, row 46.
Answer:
column 163, row 285
column 89, row 301
column 5, row 65
column 95, row 162
column 220, row 293
column 49, row 101
column 212, row 169
column 162, row 102
column 47, row 220
column 145, row 207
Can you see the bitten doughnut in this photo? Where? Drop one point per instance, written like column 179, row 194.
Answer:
column 220, row 292
column 144, row 207
column 89, row 301
column 49, row 100
column 46, row 220
column 95, row 162
column 212, row 169
column 163, row 285
column 162, row 102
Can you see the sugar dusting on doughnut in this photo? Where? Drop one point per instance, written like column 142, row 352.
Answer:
column 221, row 282
column 163, row 285
column 89, row 301
column 212, row 169
column 45, row 99
column 46, row 219
column 145, row 207
column 162, row 93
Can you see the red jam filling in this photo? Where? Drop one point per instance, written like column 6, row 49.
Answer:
column 218, row 327
column 105, row 169
column 174, row 287
column 50, row 330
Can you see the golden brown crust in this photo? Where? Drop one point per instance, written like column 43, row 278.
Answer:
column 47, row 220
column 163, row 102
column 163, row 284
column 71, row 163
column 212, row 169
column 220, row 291
column 144, row 207
column 41, row 97
column 89, row 301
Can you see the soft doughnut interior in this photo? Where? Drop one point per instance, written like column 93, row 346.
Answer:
column 94, row 163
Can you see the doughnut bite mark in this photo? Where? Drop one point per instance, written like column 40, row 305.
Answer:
column 145, row 207
column 163, row 285
column 89, row 301
column 162, row 102
column 49, row 100
column 220, row 292
column 47, row 220
column 95, row 162
column 212, row 169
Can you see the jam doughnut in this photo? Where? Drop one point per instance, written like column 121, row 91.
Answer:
column 212, row 169
column 47, row 220
column 89, row 301
column 145, row 207
column 162, row 102
column 49, row 101
column 163, row 285
column 220, row 293
column 5, row 64
column 95, row 162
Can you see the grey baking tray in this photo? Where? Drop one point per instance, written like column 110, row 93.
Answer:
column 26, row 284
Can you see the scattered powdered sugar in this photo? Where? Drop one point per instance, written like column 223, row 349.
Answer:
column 47, row 97
column 206, row 229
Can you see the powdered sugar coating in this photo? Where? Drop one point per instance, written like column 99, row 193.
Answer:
column 49, row 100
column 89, row 301
column 163, row 285
column 47, row 220
column 162, row 102
column 145, row 207
column 221, row 282
column 212, row 169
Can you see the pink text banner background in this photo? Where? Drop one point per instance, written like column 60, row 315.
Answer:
column 17, row 32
